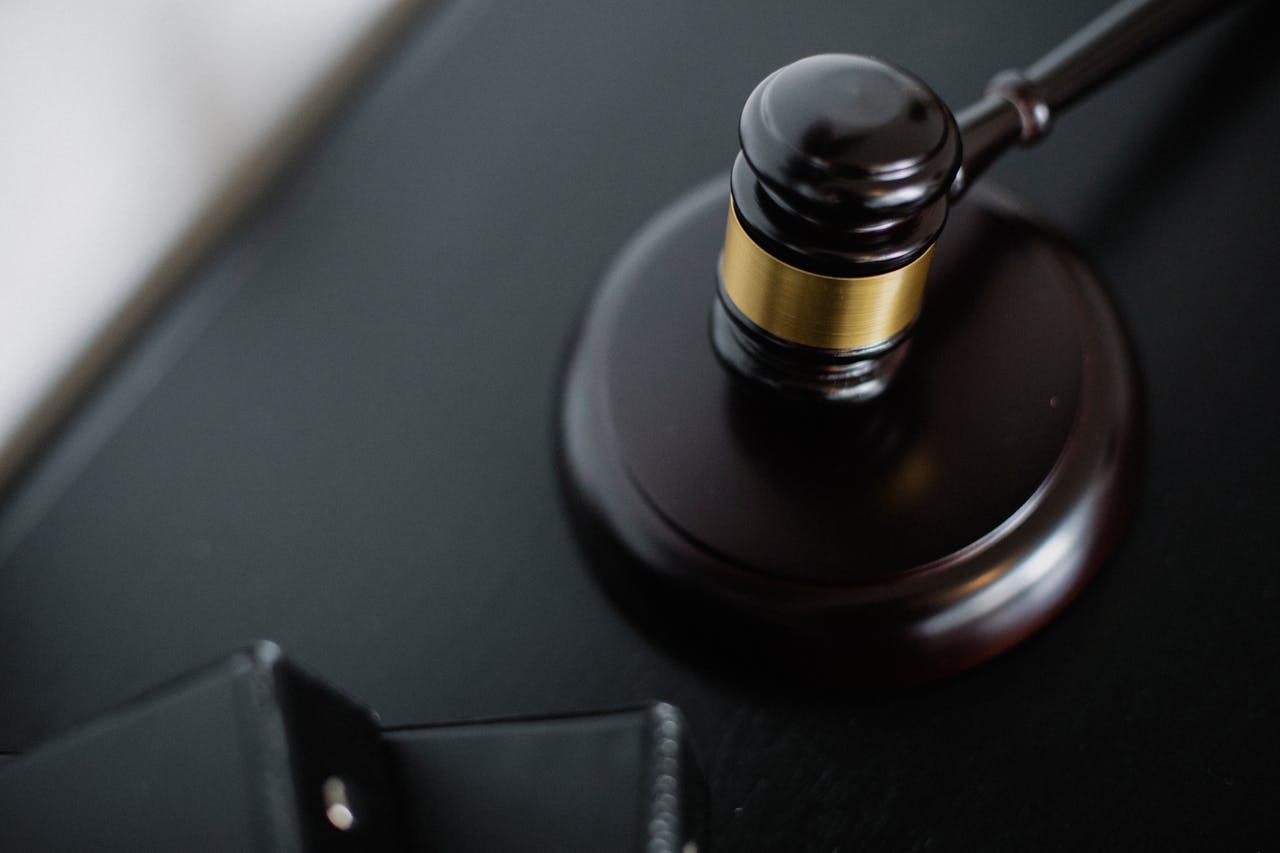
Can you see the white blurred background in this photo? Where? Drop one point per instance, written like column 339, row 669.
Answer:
column 130, row 132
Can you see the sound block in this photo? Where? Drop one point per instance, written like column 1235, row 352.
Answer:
column 898, row 540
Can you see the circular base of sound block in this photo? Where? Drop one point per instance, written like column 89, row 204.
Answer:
column 902, row 539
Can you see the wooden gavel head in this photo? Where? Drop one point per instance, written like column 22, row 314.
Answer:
column 837, row 198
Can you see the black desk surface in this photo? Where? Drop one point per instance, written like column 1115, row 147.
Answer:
column 340, row 435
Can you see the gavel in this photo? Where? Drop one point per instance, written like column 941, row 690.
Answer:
column 847, row 170
column 860, row 419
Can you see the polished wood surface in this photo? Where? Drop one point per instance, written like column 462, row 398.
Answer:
column 845, row 166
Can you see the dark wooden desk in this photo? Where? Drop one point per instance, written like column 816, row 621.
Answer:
column 334, row 439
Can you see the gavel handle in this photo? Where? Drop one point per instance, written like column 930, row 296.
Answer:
column 1019, row 106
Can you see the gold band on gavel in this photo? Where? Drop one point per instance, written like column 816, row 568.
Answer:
column 818, row 310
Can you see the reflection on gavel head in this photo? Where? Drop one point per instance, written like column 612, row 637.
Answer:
column 837, row 198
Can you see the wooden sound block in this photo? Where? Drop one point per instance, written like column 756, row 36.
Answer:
column 898, row 540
